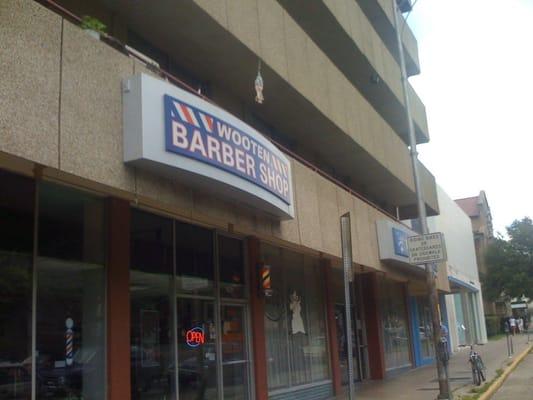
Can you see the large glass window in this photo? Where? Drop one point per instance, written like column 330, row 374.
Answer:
column 425, row 329
column 16, row 250
column 295, row 320
column 151, row 291
column 231, row 267
column 395, row 326
column 195, row 268
column 70, row 295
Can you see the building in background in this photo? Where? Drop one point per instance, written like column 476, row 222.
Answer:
column 149, row 202
column 477, row 208
column 465, row 315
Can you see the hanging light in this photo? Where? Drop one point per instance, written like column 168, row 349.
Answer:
column 259, row 85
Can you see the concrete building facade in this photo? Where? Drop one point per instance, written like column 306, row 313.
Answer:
column 166, row 236
column 465, row 313
column 477, row 208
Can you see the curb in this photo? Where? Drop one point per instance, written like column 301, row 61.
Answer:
column 499, row 382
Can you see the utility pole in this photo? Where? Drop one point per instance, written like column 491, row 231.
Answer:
column 444, row 384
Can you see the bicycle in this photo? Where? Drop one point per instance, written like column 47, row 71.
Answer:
column 477, row 367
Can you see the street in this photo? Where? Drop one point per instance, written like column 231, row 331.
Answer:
column 518, row 384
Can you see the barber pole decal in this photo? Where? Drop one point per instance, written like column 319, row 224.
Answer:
column 69, row 341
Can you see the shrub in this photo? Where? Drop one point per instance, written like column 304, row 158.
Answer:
column 493, row 325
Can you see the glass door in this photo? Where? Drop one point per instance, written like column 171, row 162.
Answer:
column 235, row 365
column 197, row 355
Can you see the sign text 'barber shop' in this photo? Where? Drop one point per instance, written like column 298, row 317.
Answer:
column 194, row 133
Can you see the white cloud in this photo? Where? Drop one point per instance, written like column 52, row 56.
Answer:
column 477, row 84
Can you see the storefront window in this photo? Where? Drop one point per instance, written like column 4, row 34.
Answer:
column 395, row 326
column 16, row 256
column 231, row 265
column 295, row 320
column 70, row 295
column 425, row 329
column 185, row 337
column 151, row 291
column 195, row 268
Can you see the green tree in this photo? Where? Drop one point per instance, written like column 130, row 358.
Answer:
column 510, row 263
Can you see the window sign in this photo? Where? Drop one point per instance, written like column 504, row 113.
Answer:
column 195, row 337
column 400, row 242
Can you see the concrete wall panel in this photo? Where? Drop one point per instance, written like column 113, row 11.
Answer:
column 328, row 216
column 91, row 137
column 337, row 85
column 307, row 206
column 217, row 9
column 364, row 233
column 243, row 22
column 29, row 85
column 272, row 36
column 297, row 62
column 345, row 204
column 175, row 196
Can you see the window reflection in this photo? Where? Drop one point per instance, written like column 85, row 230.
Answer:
column 70, row 295
column 394, row 321
column 195, row 270
column 152, row 353
column 16, row 249
column 295, row 325
column 231, row 264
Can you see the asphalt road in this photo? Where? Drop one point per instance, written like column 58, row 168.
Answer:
column 519, row 385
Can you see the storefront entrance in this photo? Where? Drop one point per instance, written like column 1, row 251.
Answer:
column 199, row 347
column 188, row 287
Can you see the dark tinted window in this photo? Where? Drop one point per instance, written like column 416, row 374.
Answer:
column 194, row 259
column 16, row 258
column 231, row 264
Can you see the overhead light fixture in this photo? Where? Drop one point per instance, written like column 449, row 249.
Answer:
column 259, row 85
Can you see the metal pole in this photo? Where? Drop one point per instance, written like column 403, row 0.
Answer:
column 346, row 239
column 444, row 384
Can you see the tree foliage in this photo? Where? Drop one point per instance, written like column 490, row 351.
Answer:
column 510, row 263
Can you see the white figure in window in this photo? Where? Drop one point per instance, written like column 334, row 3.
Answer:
column 295, row 306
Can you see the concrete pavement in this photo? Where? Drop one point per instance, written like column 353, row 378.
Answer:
column 421, row 383
column 519, row 385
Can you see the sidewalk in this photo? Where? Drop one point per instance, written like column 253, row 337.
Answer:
column 421, row 383
column 518, row 384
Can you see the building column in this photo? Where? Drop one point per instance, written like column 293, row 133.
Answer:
column 257, row 312
column 332, row 327
column 376, row 356
column 118, row 301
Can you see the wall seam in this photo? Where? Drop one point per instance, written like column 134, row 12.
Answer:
column 59, row 97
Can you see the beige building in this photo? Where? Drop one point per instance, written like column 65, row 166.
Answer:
column 150, row 204
column 477, row 208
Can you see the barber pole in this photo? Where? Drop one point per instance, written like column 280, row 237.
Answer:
column 69, row 341
column 266, row 283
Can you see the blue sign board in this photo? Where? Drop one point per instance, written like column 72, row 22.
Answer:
column 197, row 134
column 399, row 238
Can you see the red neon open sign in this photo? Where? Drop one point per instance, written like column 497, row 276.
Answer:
column 195, row 337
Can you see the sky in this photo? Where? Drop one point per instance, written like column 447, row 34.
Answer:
column 476, row 81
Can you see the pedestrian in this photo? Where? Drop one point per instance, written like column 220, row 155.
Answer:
column 520, row 323
column 512, row 324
